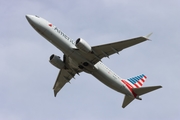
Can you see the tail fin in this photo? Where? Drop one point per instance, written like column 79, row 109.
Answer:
column 138, row 92
column 137, row 82
column 134, row 84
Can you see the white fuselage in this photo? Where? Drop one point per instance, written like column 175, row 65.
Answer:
column 67, row 46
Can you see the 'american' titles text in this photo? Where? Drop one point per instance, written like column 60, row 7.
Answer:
column 65, row 36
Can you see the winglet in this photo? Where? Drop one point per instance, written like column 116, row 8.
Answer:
column 147, row 36
column 55, row 93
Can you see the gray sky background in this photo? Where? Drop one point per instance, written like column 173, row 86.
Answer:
column 27, row 77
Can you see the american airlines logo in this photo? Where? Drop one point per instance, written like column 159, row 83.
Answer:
column 64, row 35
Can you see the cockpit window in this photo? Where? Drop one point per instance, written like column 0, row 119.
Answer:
column 37, row 16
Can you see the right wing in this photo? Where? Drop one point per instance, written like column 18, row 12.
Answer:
column 108, row 49
column 64, row 76
column 105, row 50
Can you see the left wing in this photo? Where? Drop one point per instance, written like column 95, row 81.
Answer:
column 108, row 49
column 64, row 76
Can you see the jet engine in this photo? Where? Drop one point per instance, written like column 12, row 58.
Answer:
column 83, row 45
column 56, row 61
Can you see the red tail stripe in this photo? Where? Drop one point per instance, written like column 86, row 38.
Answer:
column 129, row 87
column 139, row 83
column 136, row 85
column 143, row 80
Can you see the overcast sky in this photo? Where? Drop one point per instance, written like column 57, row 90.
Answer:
column 27, row 77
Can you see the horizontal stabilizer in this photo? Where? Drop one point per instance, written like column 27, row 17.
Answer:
column 144, row 90
column 127, row 100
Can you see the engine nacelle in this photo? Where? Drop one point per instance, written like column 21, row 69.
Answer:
column 83, row 45
column 56, row 61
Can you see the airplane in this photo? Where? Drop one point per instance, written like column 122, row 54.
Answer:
column 79, row 56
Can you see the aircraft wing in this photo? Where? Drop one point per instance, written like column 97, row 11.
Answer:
column 64, row 76
column 108, row 49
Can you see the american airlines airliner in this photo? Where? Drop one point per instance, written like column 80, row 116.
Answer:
column 79, row 56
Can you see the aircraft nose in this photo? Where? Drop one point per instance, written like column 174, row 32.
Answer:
column 29, row 18
column 33, row 20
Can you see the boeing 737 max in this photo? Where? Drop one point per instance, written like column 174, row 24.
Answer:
column 79, row 56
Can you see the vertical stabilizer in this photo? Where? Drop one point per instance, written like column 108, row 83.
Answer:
column 134, row 85
column 135, row 82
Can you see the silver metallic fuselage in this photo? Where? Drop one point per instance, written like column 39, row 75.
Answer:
column 67, row 46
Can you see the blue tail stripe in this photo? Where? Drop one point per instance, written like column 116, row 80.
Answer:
column 131, row 81
column 135, row 79
column 142, row 75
